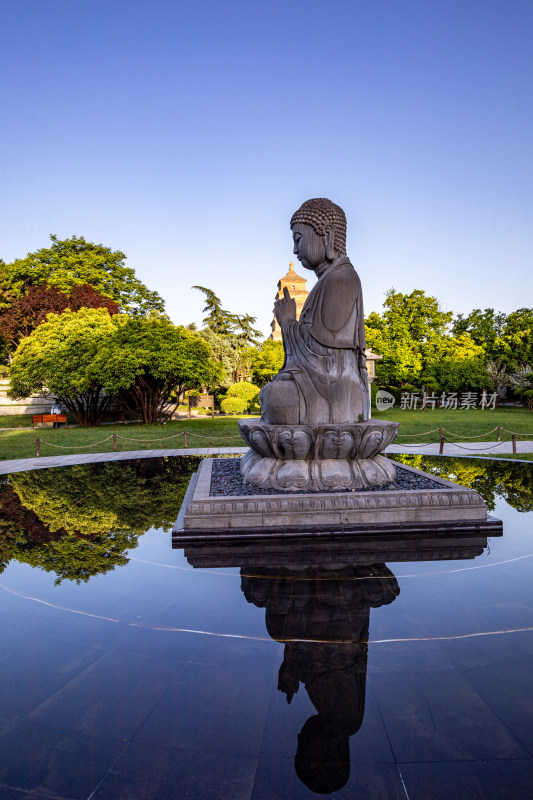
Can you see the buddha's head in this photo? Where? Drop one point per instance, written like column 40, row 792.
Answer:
column 319, row 232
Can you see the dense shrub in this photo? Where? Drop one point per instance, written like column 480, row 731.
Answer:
column 233, row 405
column 244, row 390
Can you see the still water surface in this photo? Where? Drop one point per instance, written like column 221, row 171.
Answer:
column 388, row 669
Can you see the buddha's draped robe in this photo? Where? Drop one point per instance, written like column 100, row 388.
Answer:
column 324, row 356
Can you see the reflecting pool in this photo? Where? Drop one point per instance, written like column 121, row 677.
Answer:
column 392, row 667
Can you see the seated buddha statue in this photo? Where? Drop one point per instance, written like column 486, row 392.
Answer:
column 324, row 376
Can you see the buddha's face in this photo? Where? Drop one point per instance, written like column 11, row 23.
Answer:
column 309, row 246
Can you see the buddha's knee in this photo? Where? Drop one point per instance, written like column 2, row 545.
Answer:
column 279, row 403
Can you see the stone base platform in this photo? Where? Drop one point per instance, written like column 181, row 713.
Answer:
column 232, row 517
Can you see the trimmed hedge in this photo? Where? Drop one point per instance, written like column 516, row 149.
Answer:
column 233, row 405
column 244, row 390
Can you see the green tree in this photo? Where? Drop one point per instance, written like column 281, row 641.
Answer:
column 224, row 353
column 402, row 334
column 419, row 313
column 456, row 364
column 401, row 360
column 246, row 334
column 217, row 319
column 267, row 361
column 484, row 327
column 516, row 341
column 59, row 357
column 150, row 362
column 6, row 298
column 75, row 262
column 6, row 292
column 412, row 336
column 245, row 356
column 238, row 333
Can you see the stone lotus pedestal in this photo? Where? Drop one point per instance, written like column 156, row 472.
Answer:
column 343, row 457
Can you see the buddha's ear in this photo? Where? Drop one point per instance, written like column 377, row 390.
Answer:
column 329, row 241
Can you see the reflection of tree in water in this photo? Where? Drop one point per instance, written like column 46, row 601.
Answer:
column 78, row 521
column 17, row 524
column 322, row 614
column 510, row 480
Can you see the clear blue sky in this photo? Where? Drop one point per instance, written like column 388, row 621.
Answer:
column 186, row 133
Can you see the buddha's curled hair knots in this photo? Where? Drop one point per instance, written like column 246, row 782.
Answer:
column 320, row 213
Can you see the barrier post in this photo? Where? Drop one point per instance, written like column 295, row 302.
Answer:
column 114, row 441
column 499, row 434
column 185, row 439
column 37, row 447
column 441, row 448
column 514, row 444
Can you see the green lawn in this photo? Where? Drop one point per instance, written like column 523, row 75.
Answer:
column 223, row 432
column 15, row 420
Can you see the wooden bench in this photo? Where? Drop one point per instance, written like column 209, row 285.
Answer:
column 48, row 419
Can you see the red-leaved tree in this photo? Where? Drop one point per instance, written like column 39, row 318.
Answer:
column 24, row 314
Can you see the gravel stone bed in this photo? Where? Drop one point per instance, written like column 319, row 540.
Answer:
column 226, row 481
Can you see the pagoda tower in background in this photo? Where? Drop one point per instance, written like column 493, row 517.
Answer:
column 296, row 286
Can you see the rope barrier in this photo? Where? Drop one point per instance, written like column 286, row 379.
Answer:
column 515, row 433
column 201, row 436
column 38, row 442
column 477, row 449
column 177, row 435
column 464, row 436
column 72, row 447
column 425, row 433
column 422, row 444
column 130, row 439
column 161, row 439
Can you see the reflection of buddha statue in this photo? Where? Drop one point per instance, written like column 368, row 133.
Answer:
column 324, row 377
column 317, row 594
column 322, row 615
